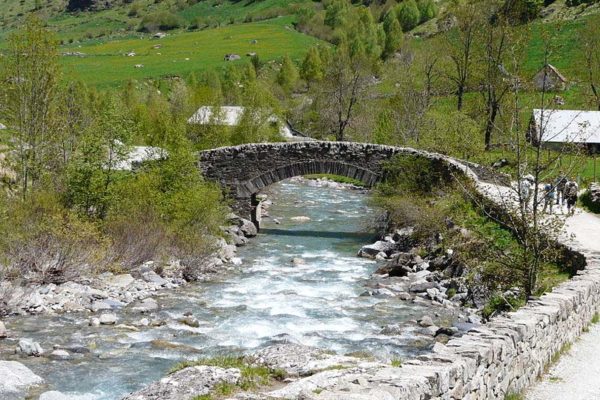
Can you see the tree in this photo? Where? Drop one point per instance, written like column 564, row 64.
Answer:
column 345, row 85
column 408, row 15
column 498, row 43
column 30, row 82
column 427, row 9
column 590, row 48
column 393, row 35
column 461, row 46
column 311, row 69
column 336, row 13
column 287, row 77
column 522, row 204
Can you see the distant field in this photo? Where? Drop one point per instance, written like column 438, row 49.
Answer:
column 121, row 21
column 106, row 64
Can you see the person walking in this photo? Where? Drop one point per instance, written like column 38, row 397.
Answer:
column 549, row 194
column 560, row 183
column 571, row 189
column 525, row 190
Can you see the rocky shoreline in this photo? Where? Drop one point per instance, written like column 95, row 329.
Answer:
column 101, row 297
column 435, row 279
column 428, row 280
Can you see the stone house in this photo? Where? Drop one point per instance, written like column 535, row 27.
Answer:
column 556, row 128
column 549, row 78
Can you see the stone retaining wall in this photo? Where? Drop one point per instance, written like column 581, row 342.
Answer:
column 508, row 354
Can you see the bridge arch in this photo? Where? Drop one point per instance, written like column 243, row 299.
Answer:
column 246, row 169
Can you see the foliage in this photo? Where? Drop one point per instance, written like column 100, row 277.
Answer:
column 393, row 35
column 586, row 200
column 253, row 376
column 30, row 75
column 427, row 10
column 499, row 303
column 43, row 242
column 414, row 174
column 408, row 14
column 287, row 76
column 312, row 66
column 522, row 11
column 162, row 20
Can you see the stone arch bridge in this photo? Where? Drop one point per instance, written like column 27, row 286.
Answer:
column 246, row 169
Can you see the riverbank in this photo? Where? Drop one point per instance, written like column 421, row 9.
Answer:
column 299, row 283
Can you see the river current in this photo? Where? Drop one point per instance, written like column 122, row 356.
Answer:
column 267, row 299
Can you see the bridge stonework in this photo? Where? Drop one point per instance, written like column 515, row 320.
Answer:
column 245, row 170
column 504, row 356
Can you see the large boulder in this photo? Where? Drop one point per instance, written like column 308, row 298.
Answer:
column 248, row 228
column 29, row 348
column 371, row 250
column 187, row 383
column 398, row 266
column 145, row 306
column 55, row 395
column 16, row 379
column 108, row 319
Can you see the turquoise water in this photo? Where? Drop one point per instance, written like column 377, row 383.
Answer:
column 265, row 300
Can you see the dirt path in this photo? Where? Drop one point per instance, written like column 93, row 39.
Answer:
column 576, row 376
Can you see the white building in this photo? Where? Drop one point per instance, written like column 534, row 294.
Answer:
column 557, row 127
column 231, row 116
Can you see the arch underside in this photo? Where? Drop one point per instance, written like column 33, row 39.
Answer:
column 247, row 188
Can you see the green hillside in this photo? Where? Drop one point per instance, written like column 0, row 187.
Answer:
column 106, row 64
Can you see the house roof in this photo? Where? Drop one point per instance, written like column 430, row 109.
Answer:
column 227, row 115
column 555, row 71
column 567, row 126
column 230, row 116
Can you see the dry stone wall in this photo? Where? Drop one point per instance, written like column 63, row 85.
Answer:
column 504, row 356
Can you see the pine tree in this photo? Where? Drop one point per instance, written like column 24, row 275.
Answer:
column 288, row 74
column 311, row 69
column 408, row 15
column 427, row 9
column 393, row 35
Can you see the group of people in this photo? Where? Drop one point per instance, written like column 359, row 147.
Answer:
column 562, row 191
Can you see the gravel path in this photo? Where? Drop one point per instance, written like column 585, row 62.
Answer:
column 576, row 376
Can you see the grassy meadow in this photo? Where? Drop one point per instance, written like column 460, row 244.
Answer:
column 106, row 63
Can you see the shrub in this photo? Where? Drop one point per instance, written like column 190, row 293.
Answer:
column 427, row 9
column 414, row 174
column 46, row 243
column 162, row 20
column 165, row 210
column 408, row 15
column 522, row 11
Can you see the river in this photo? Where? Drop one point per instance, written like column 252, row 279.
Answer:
column 267, row 299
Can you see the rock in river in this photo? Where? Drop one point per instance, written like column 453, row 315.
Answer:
column 187, row 383
column 29, row 348
column 146, row 306
column 371, row 250
column 15, row 379
column 108, row 319
column 55, row 395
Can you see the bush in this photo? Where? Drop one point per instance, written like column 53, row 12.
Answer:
column 408, row 15
column 413, row 174
column 163, row 20
column 45, row 243
column 427, row 9
column 522, row 11
column 165, row 210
